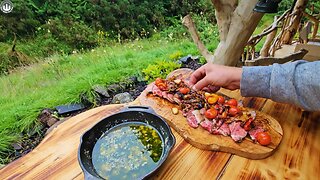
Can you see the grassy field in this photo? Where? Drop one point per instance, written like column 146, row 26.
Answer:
column 60, row 80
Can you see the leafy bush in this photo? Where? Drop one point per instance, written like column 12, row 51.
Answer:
column 159, row 69
column 127, row 18
column 22, row 21
column 76, row 34
column 175, row 56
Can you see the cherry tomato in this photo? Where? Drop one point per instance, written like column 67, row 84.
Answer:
column 162, row 86
column 233, row 110
column 184, row 90
column 263, row 138
column 232, row 102
column 220, row 99
column 212, row 99
column 158, row 81
column 247, row 125
column 207, row 95
column 211, row 113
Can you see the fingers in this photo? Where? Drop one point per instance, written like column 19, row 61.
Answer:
column 201, row 84
column 213, row 88
column 197, row 75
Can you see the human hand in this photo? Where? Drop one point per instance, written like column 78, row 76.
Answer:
column 216, row 75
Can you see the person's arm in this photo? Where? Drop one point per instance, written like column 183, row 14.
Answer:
column 295, row 83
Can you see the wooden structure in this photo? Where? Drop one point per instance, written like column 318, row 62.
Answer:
column 281, row 47
column 297, row 157
column 236, row 24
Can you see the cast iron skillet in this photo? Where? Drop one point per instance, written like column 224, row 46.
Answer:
column 128, row 114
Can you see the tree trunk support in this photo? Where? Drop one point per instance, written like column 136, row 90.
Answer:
column 236, row 25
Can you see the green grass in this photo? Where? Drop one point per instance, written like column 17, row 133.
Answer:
column 60, row 80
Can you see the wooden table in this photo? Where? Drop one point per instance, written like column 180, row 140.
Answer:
column 298, row 156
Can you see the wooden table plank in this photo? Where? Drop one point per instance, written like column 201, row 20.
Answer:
column 56, row 156
column 298, row 156
column 186, row 161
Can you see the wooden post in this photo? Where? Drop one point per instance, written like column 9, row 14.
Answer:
column 315, row 22
column 243, row 22
column 224, row 10
column 236, row 25
column 264, row 52
column 294, row 22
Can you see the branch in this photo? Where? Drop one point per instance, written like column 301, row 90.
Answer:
column 255, row 39
column 316, row 23
column 269, row 60
column 188, row 22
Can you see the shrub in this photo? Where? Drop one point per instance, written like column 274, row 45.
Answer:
column 159, row 69
column 76, row 34
column 21, row 21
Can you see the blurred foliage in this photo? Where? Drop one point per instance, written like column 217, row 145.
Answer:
column 128, row 19
column 313, row 7
column 44, row 28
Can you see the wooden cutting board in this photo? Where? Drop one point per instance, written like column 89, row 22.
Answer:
column 202, row 139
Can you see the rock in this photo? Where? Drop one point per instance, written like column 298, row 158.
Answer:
column 103, row 91
column 133, row 79
column 85, row 100
column 122, row 98
column 52, row 121
column 65, row 109
column 195, row 58
column 114, row 88
column 56, row 124
column 2, row 166
column 45, row 115
column 185, row 59
column 16, row 146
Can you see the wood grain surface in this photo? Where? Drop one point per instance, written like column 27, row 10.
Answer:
column 297, row 157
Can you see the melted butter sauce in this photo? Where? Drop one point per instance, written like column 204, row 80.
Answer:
column 128, row 151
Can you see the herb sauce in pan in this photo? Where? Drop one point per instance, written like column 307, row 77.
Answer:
column 128, row 151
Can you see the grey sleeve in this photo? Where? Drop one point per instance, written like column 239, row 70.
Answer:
column 294, row 83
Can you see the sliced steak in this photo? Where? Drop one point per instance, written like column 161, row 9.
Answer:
column 253, row 132
column 149, row 88
column 164, row 94
column 207, row 125
column 202, row 111
column 236, row 131
column 156, row 91
column 198, row 116
column 216, row 124
column 191, row 118
column 170, row 98
column 224, row 129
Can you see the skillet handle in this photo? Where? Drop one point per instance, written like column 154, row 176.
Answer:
column 138, row 108
column 88, row 176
